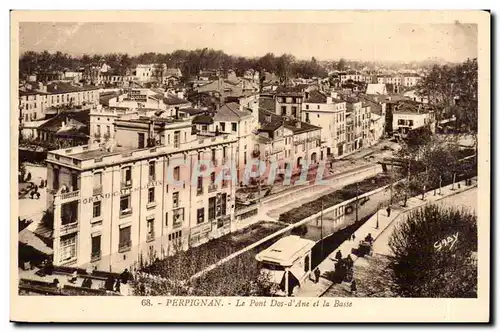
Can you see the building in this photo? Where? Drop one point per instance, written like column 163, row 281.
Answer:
column 376, row 89
column 144, row 72
column 289, row 100
column 329, row 113
column 240, row 121
column 410, row 80
column 37, row 99
column 409, row 115
column 150, row 191
column 65, row 129
column 396, row 80
column 413, row 95
column 377, row 117
column 355, row 77
column 357, row 124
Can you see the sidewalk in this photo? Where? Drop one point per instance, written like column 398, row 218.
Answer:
column 311, row 289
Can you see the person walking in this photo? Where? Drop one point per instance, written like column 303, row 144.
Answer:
column 388, row 211
column 317, row 274
column 354, row 288
column 353, row 237
column 338, row 255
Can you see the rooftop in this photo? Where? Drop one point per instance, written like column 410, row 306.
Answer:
column 230, row 112
column 285, row 251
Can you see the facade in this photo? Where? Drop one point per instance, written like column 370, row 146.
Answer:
column 117, row 204
column 357, row 124
column 329, row 113
column 289, row 100
column 144, row 72
column 410, row 80
column 35, row 100
column 404, row 120
column 396, row 80
column 356, row 77
column 240, row 121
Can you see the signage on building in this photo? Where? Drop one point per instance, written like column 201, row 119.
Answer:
column 124, row 191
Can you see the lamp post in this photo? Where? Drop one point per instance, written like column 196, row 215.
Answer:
column 378, row 208
column 357, row 200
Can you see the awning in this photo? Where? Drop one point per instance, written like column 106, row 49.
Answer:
column 28, row 238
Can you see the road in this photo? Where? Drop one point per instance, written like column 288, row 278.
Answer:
column 329, row 225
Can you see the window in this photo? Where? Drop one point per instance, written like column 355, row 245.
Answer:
column 124, row 242
column 96, row 209
column 108, row 131
column 410, row 123
column 68, row 248
column 177, row 139
column 55, row 182
column 126, row 176
column 175, row 199
column 223, row 204
column 95, row 247
column 283, row 110
column 214, row 161
column 224, row 152
column 204, row 128
column 306, row 263
column 74, row 181
column 401, row 122
column 69, row 213
column 125, row 205
column 294, row 110
column 200, row 216
column 141, row 143
column 245, row 157
column 307, row 106
column 223, row 127
column 152, row 171
column 199, row 187
column 97, row 180
column 211, row 208
column 151, row 195
column 178, row 217
column 307, row 118
column 177, row 173
column 151, row 229
column 234, row 126
column 212, row 178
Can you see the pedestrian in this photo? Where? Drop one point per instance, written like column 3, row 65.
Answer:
column 317, row 274
column 388, row 211
column 353, row 237
column 338, row 255
column 353, row 287
column 125, row 276
column 109, row 284
column 117, row 285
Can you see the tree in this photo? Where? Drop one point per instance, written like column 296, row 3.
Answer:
column 341, row 65
column 423, row 266
column 284, row 67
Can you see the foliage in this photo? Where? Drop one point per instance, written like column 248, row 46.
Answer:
column 453, row 92
column 420, row 269
column 190, row 63
column 305, row 210
column 240, row 276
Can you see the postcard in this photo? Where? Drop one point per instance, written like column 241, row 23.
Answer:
column 250, row 166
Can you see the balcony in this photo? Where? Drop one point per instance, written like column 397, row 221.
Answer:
column 126, row 184
column 69, row 196
column 68, row 228
column 124, row 246
column 95, row 256
column 212, row 188
column 126, row 212
column 97, row 191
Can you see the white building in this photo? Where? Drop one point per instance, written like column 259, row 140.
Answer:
column 406, row 119
column 122, row 202
column 329, row 113
column 144, row 72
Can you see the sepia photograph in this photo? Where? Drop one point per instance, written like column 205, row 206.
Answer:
column 249, row 161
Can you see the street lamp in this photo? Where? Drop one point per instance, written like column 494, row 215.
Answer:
column 378, row 208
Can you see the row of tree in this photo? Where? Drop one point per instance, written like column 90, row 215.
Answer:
column 190, row 63
column 453, row 91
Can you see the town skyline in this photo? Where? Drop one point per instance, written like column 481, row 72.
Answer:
column 326, row 42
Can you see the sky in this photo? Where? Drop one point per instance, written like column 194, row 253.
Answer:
column 367, row 41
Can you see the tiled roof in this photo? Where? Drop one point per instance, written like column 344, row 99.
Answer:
column 63, row 87
column 304, row 126
column 203, row 119
column 55, row 123
column 231, row 112
column 267, row 104
column 269, row 121
column 174, row 100
column 316, row 97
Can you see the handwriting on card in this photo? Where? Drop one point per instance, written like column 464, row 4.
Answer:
column 449, row 241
